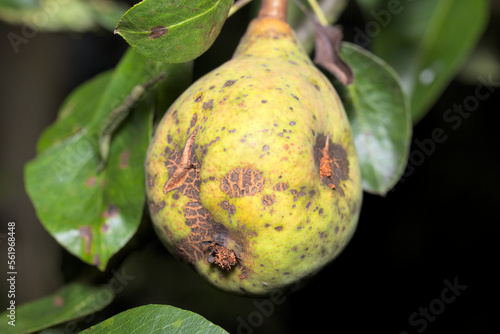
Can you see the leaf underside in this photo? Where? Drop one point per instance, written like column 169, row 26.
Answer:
column 380, row 119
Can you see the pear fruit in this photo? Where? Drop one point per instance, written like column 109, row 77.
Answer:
column 252, row 176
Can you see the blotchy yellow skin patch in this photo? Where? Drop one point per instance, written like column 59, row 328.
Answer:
column 267, row 186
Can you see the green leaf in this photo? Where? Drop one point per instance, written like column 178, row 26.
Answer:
column 173, row 32
column 116, row 117
column 93, row 212
column 57, row 15
column 19, row 4
column 70, row 302
column 157, row 319
column 427, row 42
column 380, row 118
column 73, row 116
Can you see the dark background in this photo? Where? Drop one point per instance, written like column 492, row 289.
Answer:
column 438, row 225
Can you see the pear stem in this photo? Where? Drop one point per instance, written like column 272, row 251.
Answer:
column 274, row 8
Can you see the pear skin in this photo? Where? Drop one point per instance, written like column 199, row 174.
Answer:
column 252, row 176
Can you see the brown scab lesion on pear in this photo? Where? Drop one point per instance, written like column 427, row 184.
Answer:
column 255, row 168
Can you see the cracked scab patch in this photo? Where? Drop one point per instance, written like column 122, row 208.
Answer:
column 184, row 169
column 156, row 207
column 231, row 209
column 332, row 161
column 189, row 186
column 199, row 219
column 268, row 200
column 280, row 186
column 240, row 182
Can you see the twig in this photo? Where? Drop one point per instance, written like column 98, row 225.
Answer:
column 319, row 12
column 237, row 6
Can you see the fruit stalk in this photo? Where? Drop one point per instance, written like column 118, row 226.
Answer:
column 274, row 9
